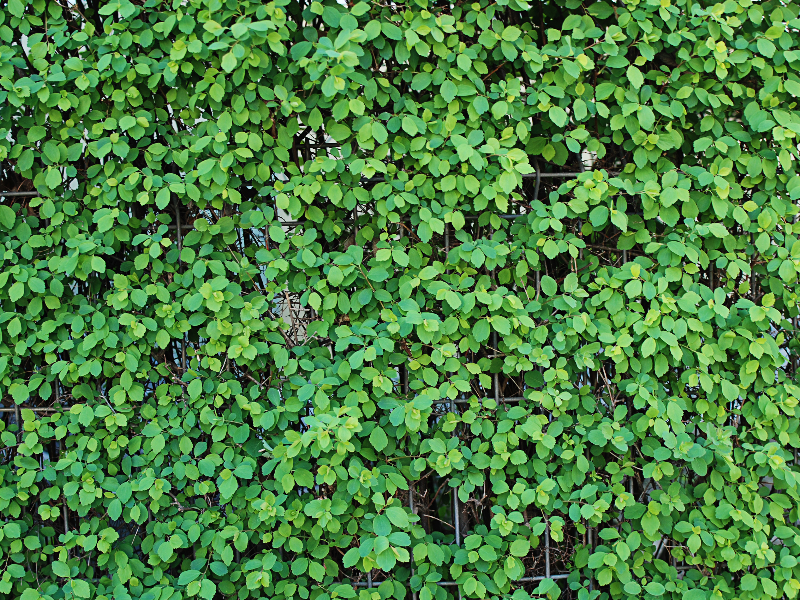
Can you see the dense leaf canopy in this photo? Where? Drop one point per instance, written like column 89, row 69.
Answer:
column 458, row 300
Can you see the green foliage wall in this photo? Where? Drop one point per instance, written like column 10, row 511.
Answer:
column 303, row 298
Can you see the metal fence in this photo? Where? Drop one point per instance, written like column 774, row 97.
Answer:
column 550, row 561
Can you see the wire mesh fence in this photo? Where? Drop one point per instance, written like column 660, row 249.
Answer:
column 443, row 507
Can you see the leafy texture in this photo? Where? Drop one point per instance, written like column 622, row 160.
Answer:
column 408, row 293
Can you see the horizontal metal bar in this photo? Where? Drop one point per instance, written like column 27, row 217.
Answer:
column 452, row 583
column 509, row 399
column 523, row 580
column 34, row 409
column 372, row 180
column 350, row 221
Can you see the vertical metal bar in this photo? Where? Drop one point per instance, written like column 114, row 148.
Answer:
column 795, row 358
column 536, row 197
column 180, row 249
column 456, row 517
column 496, row 382
column 18, row 417
column 369, row 579
column 589, row 536
column 547, row 548
column 456, row 507
column 178, row 228
column 795, row 464
column 410, row 484
column 624, row 256
column 65, row 516
column 589, row 543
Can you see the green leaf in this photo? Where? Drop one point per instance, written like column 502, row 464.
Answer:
column 635, row 77
column 650, row 525
column 228, row 62
column 765, row 47
column 81, row 588
column 729, row 390
column 162, row 198
column 335, row 276
column 448, row 90
column 381, row 525
column 378, row 439
column 115, row 509
column 162, row 338
column 558, row 116
column 481, row 330
column 792, row 86
column 520, row 547
column 654, row 588
column 398, row 517
column 60, row 569
column 165, row 551
column 16, row 8
column 188, row 576
column 207, row 589
column 549, row 285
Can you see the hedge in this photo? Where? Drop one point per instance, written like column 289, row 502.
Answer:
column 408, row 299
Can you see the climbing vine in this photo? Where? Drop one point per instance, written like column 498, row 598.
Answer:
column 408, row 299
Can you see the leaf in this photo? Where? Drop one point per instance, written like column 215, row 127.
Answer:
column 448, row 90
column 499, row 110
column 208, row 589
column 558, row 116
column 316, row 570
column 397, row 516
column 381, row 525
column 508, row 182
column 228, row 487
column 86, row 415
column 481, row 330
column 165, row 551
column 510, row 34
column 549, row 285
column 115, row 509
column 651, row 525
column 350, row 558
column 16, row 291
column 654, row 588
column 228, row 62
column 162, row 198
column 335, row 276
column 188, row 576
column 598, row 216
column 729, row 390
column 792, row 86
column 520, row 547
column 162, row 338
column 378, row 439
column 16, row 8
column 53, row 178
column 81, row 588
column 635, row 76
column 765, row 47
